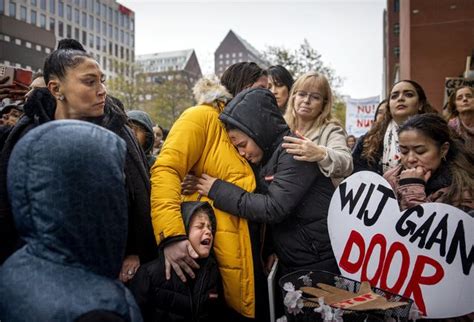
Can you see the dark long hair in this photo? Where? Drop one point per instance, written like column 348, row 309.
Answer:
column 457, row 159
column 281, row 75
column 374, row 138
column 240, row 76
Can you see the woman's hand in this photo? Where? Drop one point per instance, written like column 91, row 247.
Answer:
column 416, row 173
column 205, row 184
column 189, row 184
column 303, row 148
column 129, row 267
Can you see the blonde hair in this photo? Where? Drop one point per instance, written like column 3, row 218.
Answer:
column 310, row 82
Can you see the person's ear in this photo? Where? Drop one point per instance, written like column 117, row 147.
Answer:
column 444, row 150
column 54, row 87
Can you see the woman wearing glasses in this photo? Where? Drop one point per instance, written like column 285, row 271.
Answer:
column 321, row 137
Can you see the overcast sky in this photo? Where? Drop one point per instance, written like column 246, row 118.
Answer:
column 348, row 34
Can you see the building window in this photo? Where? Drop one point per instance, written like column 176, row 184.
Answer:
column 52, row 24
column 116, row 17
column 220, row 62
column 104, row 62
column 110, row 31
column 121, row 36
column 38, row 47
column 28, row 44
column 396, row 51
column 43, row 4
column 23, row 13
column 104, row 10
column 396, row 6
column 110, row 48
column 91, row 41
column 132, row 23
column 76, row 34
column 91, row 22
column 68, row 12
column 61, row 9
column 104, row 28
column 97, row 25
column 84, row 19
column 221, row 56
column 116, row 34
column 68, row 31
column 240, row 54
column 84, row 38
column 43, row 21
column 97, row 7
column 111, row 14
column 12, row 10
column 33, row 17
column 104, row 45
column 97, row 42
column 76, row 16
column 233, row 55
column 60, row 29
column 121, row 19
column 396, row 29
column 52, row 6
column 47, row 50
column 227, row 55
column 2, row 7
column 18, row 42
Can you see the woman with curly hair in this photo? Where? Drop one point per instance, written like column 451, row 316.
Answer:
column 378, row 150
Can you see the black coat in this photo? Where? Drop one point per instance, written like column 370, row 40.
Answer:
column 161, row 300
column 361, row 163
column 296, row 196
column 39, row 109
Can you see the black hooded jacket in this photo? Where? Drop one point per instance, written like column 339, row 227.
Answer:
column 39, row 109
column 161, row 300
column 292, row 195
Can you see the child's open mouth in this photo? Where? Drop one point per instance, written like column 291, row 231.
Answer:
column 206, row 242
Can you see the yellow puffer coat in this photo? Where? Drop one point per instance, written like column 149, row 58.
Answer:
column 198, row 142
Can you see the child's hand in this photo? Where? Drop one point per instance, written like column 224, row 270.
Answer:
column 205, row 184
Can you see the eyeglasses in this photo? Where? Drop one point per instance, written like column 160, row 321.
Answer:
column 312, row 96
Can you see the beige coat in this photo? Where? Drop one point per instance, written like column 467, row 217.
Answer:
column 338, row 162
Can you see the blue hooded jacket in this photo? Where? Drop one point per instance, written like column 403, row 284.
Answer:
column 66, row 184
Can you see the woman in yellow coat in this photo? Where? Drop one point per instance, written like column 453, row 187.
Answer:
column 198, row 143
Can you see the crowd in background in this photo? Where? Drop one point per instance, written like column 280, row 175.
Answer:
column 106, row 215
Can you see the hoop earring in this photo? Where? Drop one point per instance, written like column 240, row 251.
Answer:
column 61, row 98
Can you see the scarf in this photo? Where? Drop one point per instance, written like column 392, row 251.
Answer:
column 391, row 151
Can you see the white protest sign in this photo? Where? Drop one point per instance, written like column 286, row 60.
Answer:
column 425, row 253
column 360, row 114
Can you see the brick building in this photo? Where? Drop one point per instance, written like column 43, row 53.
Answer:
column 427, row 41
column 234, row 49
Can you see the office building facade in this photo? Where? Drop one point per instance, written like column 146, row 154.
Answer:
column 104, row 27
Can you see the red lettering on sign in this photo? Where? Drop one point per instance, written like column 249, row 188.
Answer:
column 417, row 279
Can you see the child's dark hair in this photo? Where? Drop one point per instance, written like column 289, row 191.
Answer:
column 240, row 76
column 59, row 61
column 281, row 76
column 457, row 159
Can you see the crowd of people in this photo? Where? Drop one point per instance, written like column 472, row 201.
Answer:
column 106, row 216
